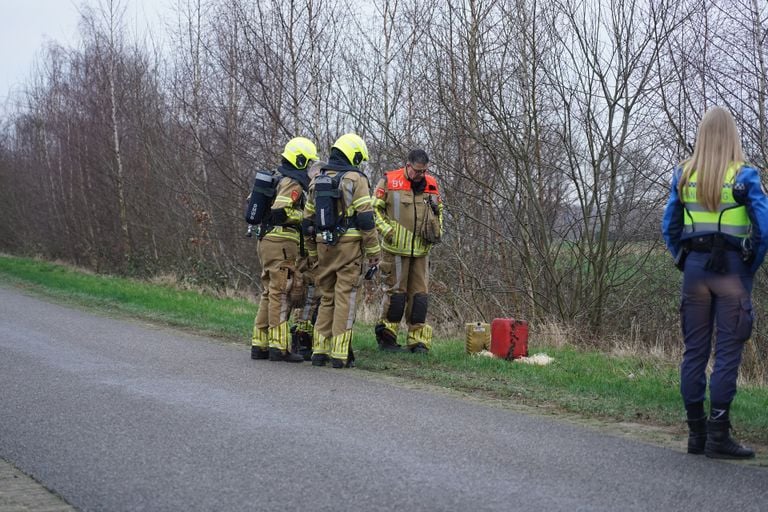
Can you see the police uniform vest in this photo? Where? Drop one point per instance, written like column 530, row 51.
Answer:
column 731, row 218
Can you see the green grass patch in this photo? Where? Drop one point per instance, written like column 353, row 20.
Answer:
column 222, row 317
column 586, row 383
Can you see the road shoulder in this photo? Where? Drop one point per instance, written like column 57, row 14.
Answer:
column 20, row 492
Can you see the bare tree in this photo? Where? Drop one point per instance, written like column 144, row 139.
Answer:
column 553, row 126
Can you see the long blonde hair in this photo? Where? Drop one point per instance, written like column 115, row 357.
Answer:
column 717, row 145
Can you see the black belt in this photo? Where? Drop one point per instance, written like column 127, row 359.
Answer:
column 265, row 229
column 706, row 243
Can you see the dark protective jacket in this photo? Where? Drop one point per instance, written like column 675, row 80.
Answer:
column 746, row 180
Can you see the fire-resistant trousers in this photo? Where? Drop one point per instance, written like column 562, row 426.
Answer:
column 338, row 277
column 278, row 265
column 407, row 292
column 714, row 302
column 305, row 315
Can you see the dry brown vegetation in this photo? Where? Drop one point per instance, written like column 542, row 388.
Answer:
column 553, row 126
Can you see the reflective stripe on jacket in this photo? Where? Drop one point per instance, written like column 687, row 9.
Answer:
column 400, row 212
column 355, row 201
column 289, row 196
column 755, row 202
column 731, row 218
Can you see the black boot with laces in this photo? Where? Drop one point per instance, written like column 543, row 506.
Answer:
column 720, row 444
column 386, row 339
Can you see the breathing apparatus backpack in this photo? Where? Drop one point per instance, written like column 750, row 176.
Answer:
column 262, row 196
column 328, row 215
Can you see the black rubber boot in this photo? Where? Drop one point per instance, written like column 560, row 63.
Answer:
column 275, row 354
column 319, row 359
column 386, row 339
column 420, row 348
column 291, row 357
column 697, row 435
column 340, row 363
column 259, row 353
column 294, row 355
column 301, row 343
column 720, row 444
column 306, row 353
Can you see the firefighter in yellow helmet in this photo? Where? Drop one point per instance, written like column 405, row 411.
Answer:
column 409, row 216
column 279, row 234
column 305, row 313
column 340, row 232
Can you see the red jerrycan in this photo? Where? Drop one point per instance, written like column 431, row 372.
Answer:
column 509, row 338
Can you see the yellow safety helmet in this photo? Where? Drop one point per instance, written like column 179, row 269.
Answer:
column 353, row 147
column 299, row 151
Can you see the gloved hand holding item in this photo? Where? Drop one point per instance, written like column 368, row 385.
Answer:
column 432, row 202
column 430, row 229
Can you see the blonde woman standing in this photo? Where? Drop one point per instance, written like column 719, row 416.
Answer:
column 716, row 227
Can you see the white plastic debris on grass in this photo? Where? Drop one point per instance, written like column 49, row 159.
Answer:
column 539, row 359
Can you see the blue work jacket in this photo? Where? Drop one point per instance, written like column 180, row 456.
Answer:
column 754, row 200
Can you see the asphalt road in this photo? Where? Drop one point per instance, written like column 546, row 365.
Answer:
column 117, row 415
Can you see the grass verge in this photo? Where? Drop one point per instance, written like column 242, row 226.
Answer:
column 640, row 391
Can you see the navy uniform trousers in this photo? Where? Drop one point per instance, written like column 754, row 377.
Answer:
column 714, row 301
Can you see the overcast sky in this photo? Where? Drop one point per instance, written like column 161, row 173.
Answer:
column 27, row 25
